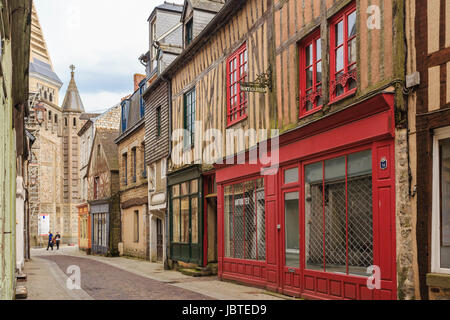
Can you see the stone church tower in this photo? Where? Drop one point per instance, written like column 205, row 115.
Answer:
column 72, row 108
column 53, row 177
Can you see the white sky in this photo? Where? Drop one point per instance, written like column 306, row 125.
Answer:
column 103, row 39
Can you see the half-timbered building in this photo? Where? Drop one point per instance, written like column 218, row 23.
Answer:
column 428, row 63
column 103, row 193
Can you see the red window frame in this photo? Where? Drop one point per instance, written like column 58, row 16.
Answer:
column 349, row 70
column 237, row 71
column 310, row 94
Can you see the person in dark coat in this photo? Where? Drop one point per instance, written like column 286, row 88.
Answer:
column 50, row 240
column 57, row 240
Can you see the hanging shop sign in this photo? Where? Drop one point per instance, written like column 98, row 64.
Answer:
column 261, row 84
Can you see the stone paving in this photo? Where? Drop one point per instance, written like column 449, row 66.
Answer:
column 122, row 278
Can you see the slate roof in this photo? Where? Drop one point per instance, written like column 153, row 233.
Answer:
column 88, row 116
column 208, row 5
column 72, row 100
column 171, row 7
column 44, row 69
column 134, row 119
column 106, row 138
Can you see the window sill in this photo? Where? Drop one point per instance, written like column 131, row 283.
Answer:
column 306, row 114
column 235, row 122
column 438, row 280
column 343, row 96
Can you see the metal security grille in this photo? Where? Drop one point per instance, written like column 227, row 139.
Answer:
column 335, row 227
column 360, row 225
column 245, row 226
column 315, row 225
column 338, row 215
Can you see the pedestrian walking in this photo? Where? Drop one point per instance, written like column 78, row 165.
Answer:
column 50, row 240
column 57, row 240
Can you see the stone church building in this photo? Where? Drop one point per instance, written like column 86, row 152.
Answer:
column 53, row 177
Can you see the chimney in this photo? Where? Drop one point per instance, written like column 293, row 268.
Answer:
column 137, row 80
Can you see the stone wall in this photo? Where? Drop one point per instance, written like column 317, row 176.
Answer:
column 405, row 221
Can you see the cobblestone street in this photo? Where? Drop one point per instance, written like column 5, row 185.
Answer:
column 124, row 279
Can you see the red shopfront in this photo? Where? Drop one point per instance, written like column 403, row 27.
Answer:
column 313, row 228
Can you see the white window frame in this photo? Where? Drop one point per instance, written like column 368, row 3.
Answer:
column 439, row 134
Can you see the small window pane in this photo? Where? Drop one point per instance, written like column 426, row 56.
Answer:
column 352, row 51
column 319, row 49
column 339, row 59
column 335, row 169
column 339, row 37
column 319, row 72
column 360, row 164
column 194, row 186
column 309, row 77
column 309, row 55
column 184, row 189
column 291, row 175
column 352, row 24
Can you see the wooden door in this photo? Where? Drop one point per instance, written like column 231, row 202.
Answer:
column 159, row 240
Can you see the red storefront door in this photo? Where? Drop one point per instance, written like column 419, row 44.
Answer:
column 290, row 230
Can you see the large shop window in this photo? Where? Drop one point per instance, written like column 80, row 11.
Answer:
column 343, row 54
column 237, row 71
column 185, row 207
column 338, row 214
column 245, row 221
column 441, row 203
column 311, row 75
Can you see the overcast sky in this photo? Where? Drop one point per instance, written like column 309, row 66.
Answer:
column 103, row 39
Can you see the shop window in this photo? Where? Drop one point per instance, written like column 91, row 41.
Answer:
column 189, row 118
column 237, row 100
column 244, row 221
column 136, row 226
column 338, row 214
column 185, row 210
column 343, row 73
column 441, row 202
column 311, row 75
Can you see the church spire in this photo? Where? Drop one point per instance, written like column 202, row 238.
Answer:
column 72, row 101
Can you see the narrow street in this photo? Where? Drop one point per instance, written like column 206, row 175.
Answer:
column 124, row 279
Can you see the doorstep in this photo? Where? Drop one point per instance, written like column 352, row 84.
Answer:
column 21, row 292
column 196, row 272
